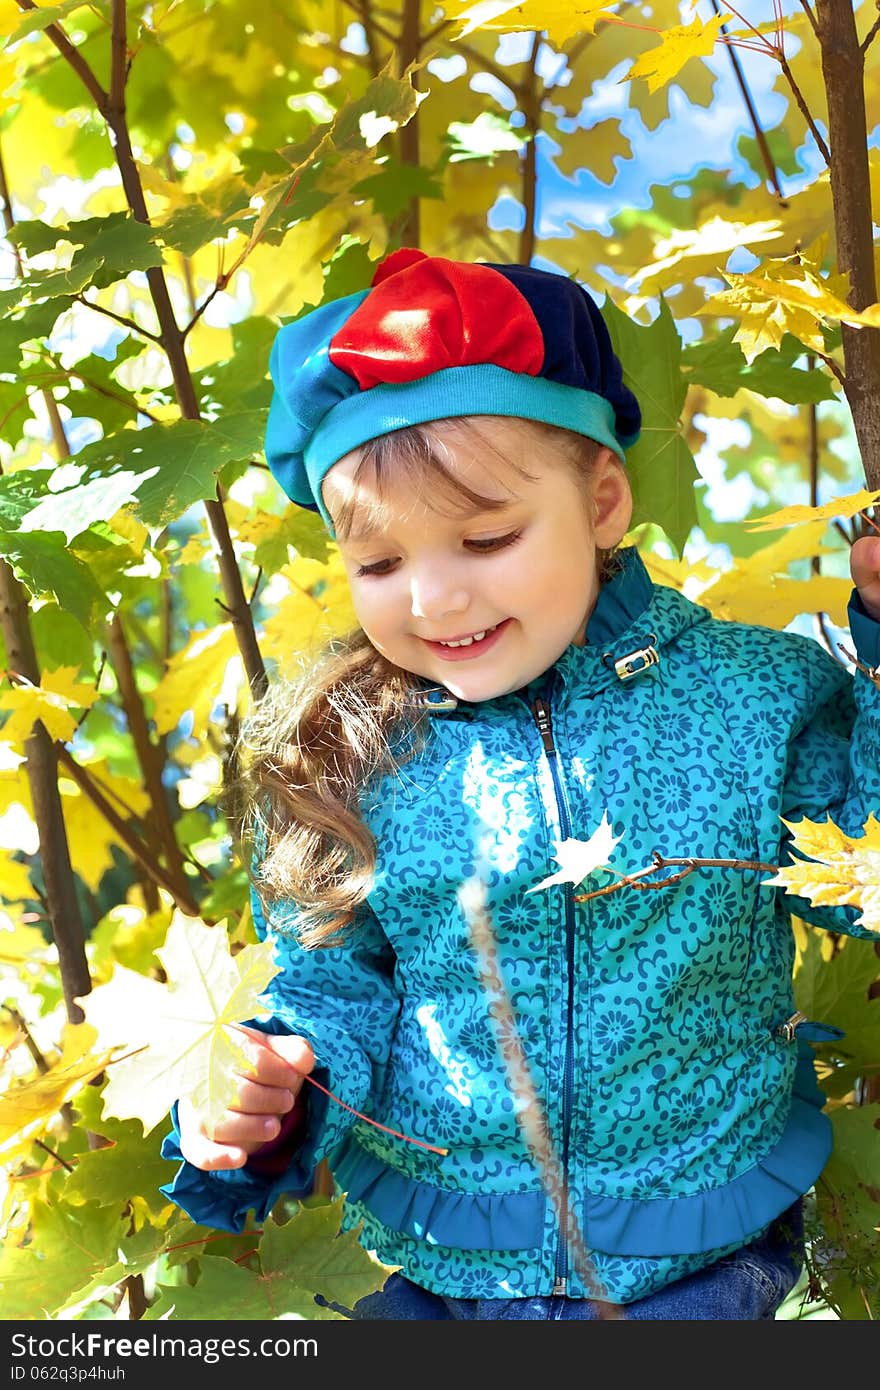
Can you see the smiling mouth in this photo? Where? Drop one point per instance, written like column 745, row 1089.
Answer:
column 465, row 641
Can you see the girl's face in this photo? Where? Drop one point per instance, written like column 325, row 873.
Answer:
column 512, row 588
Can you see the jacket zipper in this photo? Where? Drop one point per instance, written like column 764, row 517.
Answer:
column 542, row 716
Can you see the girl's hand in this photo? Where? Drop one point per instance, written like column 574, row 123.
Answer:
column 864, row 563
column 278, row 1064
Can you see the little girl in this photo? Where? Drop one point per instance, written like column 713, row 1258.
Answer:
column 515, row 681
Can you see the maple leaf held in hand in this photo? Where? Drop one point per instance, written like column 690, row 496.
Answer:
column 579, row 858
column 182, row 1033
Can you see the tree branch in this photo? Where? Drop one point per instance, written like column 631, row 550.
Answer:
column 843, row 72
column 810, row 16
column 769, row 162
column 487, row 65
column 132, row 842
column 222, row 282
column 172, row 339
column 62, row 903
column 56, row 34
column 147, row 753
column 409, row 48
column 531, row 103
column 871, row 35
column 530, row 1112
column 804, row 109
column 365, row 15
column 130, row 324
column 660, row 861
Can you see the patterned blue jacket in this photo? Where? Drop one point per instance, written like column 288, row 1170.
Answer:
column 684, row 1111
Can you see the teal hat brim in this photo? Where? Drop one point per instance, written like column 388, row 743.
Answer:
column 452, row 392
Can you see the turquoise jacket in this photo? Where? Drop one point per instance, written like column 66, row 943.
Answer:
column 658, row 1025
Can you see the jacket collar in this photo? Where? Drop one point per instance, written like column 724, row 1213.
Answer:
column 631, row 623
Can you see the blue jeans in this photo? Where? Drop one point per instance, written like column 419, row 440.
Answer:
column 750, row 1284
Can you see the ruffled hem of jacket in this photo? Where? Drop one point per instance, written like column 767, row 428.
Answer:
column 656, row 1226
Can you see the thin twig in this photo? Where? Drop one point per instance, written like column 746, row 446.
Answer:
column 257, row 582
column 363, row 14
column 100, row 672
column 823, row 635
column 834, row 367
column 871, row 35
column 52, row 1154
column 760, row 137
column 805, row 110
column 487, row 65
column 660, row 861
column 29, row 1041
column 222, row 282
column 74, row 58
column 810, row 16
column 130, row 324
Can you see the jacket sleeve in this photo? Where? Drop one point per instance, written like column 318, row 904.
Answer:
column 345, row 1002
column 834, row 765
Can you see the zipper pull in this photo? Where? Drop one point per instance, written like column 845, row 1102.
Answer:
column 541, row 713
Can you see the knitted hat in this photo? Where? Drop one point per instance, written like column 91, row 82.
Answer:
column 434, row 338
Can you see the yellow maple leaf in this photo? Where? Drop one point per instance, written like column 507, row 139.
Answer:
column 16, row 880
column 788, row 295
column 51, row 702
column 848, row 506
column 28, row 1107
column 195, row 677
column 561, row 19
column 89, row 835
column 677, row 46
column 775, row 600
column 317, row 607
column 18, row 941
column 181, row 1034
column 757, row 589
column 705, row 248
column 840, row 871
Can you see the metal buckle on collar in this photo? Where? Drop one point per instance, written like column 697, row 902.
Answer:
column 635, row 662
column 788, row 1029
column 437, row 700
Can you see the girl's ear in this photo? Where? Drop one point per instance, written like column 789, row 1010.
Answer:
column 611, row 500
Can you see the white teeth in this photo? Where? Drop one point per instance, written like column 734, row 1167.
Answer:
column 468, row 641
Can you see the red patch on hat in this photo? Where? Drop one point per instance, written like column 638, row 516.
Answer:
column 426, row 313
column 398, row 260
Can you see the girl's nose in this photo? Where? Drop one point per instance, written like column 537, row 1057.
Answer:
column 434, row 595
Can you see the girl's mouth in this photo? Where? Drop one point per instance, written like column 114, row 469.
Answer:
column 469, row 648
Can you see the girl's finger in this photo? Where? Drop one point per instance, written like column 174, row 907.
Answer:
column 865, row 560
column 254, row 1099
column 246, row 1132
column 280, row 1061
column 200, row 1150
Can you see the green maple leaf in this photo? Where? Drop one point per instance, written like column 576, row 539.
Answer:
column 67, row 1247
column 295, row 1261
column 661, row 467
column 104, row 1175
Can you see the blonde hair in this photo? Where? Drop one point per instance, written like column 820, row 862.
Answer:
column 311, row 746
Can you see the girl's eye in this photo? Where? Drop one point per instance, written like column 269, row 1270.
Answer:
column 496, row 542
column 380, row 568
column 482, row 547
